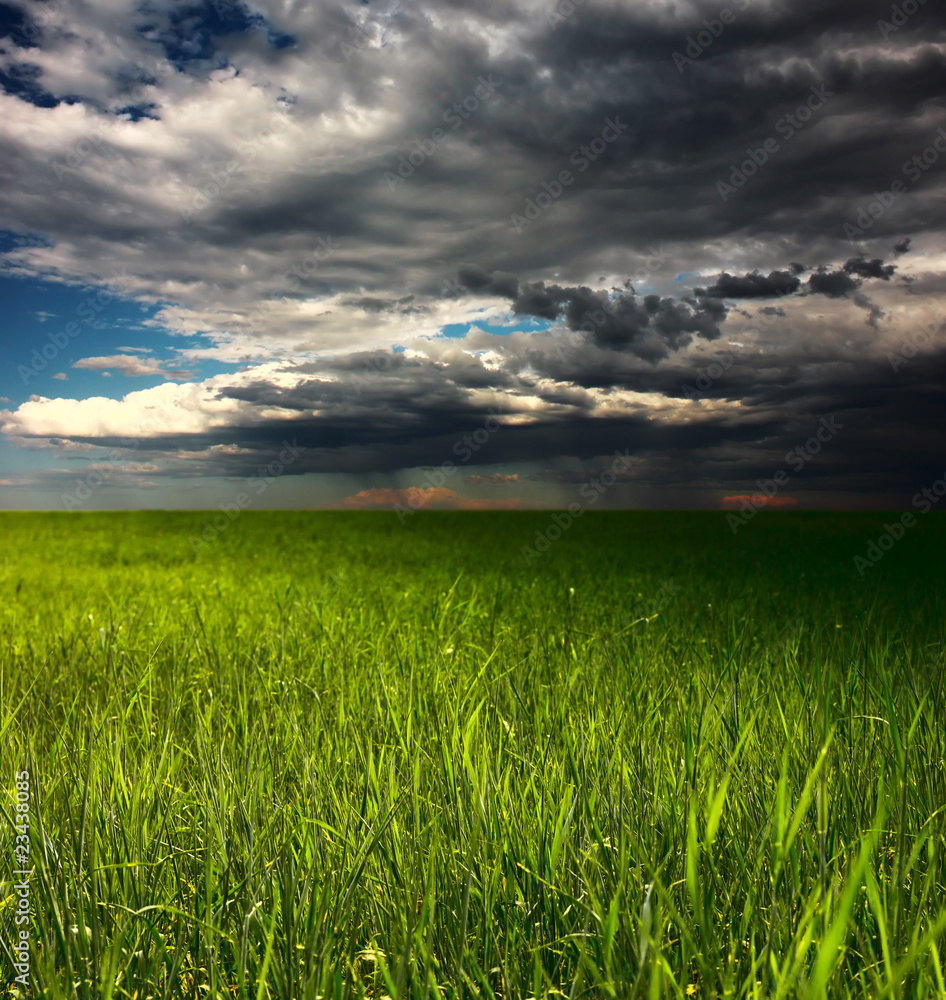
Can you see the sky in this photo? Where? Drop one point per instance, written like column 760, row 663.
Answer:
column 473, row 254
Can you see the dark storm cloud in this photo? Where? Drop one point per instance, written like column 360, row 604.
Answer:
column 499, row 283
column 649, row 326
column 535, row 299
column 824, row 281
column 834, row 284
column 659, row 184
column 558, row 88
column 845, row 281
column 891, row 416
column 652, row 326
column 756, row 285
column 691, row 127
column 874, row 268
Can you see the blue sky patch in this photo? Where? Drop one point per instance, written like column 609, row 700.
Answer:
column 189, row 35
column 524, row 324
column 23, row 84
column 50, row 326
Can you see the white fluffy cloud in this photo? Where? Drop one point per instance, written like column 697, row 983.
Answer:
column 168, row 409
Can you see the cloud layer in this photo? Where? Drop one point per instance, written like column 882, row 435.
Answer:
column 381, row 226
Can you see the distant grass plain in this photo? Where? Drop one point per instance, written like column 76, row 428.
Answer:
column 331, row 755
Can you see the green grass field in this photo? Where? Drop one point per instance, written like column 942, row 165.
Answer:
column 331, row 755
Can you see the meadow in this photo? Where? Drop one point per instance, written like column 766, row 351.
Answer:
column 330, row 755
